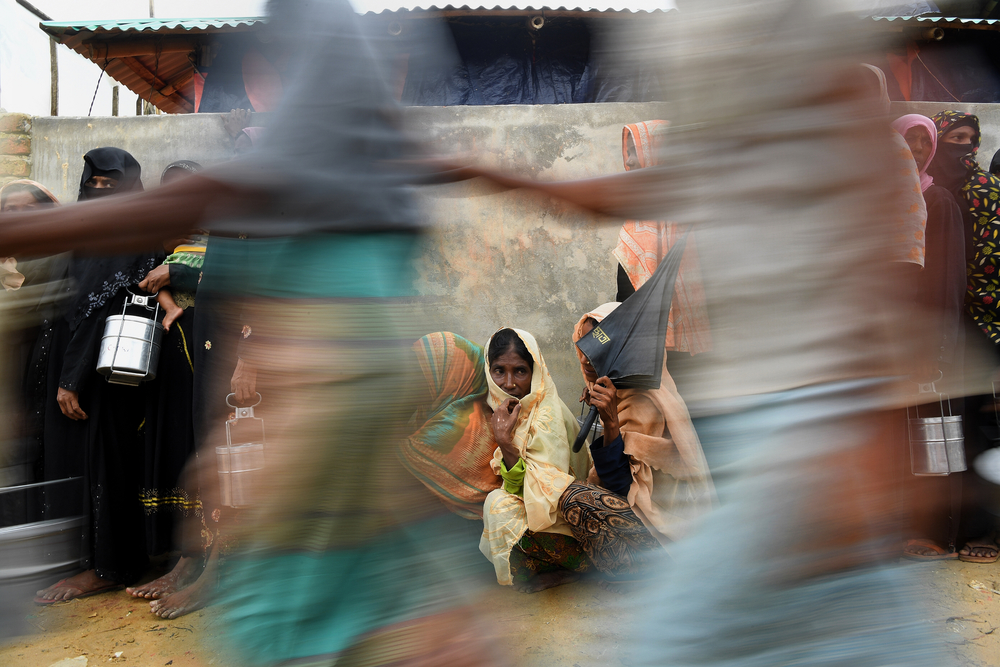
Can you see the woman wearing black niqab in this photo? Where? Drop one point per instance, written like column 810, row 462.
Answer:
column 91, row 427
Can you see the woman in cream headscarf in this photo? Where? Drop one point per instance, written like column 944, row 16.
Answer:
column 529, row 544
column 649, row 467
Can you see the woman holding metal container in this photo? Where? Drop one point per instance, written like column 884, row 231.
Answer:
column 97, row 425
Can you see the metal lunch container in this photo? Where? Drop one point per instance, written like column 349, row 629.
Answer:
column 241, row 461
column 130, row 347
column 937, row 444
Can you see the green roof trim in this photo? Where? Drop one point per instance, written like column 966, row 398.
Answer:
column 151, row 25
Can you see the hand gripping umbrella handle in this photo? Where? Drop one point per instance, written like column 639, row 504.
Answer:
column 588, row 424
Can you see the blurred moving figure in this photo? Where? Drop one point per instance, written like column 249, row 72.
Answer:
column 794, row 228
column 33, row 289
column 344, row 557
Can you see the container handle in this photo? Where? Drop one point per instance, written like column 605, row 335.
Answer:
column 243, row 406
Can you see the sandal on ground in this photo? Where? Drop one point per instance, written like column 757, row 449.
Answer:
column 940, row 553
column 988, row 544
column 110, row 586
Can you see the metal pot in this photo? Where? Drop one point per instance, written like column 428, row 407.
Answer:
column 130, row 348
column 34, row 555
column 937, row 444
column 241, row 461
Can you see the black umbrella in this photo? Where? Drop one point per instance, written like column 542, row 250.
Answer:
column 627, row 346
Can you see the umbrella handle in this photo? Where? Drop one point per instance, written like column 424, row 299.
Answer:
column 588, row 424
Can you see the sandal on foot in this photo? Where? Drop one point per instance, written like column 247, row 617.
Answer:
column 940, row 553
column 969, row 558
column 110, row 586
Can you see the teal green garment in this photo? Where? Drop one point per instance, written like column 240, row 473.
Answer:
column 513, row 479
column 316, row 266
column 280, row 606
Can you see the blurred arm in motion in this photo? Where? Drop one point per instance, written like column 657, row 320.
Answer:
column 121, row 224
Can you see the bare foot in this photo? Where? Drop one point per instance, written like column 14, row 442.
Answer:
column 79, row 585
column 186, row 600
column 924, row 549
column 546, row 580
column 185, row 572
column 983, row 550
column 195, row 596
column 172, row 313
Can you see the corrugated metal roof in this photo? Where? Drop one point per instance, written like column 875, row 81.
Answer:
column 153, row 57
column 151, row 25
column 636, row 6
column 159, row 71
column 939, row 22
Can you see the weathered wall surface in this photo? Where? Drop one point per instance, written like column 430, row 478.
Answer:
column 510, row 258
column 493, row 258
column 60, row 143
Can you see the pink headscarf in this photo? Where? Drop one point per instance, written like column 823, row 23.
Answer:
column 254, row 133
column 903, row 124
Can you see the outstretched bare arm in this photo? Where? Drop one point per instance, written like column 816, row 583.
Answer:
column 132, row 222
column 638, row 193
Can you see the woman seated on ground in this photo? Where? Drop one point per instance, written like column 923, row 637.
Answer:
column 451, row 444
column 650, row 479
column 530, row 545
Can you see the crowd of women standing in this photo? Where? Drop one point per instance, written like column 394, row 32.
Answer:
column 955, row 299
column 491, row 436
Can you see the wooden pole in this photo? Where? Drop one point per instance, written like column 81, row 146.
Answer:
column 53, row 78
column 114, row 101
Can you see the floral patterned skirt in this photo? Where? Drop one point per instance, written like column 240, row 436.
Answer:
column 537, row 553
column 609, row 532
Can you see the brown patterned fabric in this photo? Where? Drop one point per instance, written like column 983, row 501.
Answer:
column 537, row 553
column 614, row 539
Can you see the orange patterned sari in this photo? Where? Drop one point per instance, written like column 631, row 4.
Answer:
column 642, row 244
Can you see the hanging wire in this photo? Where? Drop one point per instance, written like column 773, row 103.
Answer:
column 945, row 88
column 98, row 87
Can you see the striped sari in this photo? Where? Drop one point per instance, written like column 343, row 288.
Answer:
column 451, row 448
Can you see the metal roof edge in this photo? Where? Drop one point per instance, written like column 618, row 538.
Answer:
column 149, row 25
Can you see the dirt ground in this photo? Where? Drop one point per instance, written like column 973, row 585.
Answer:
column 576, row 625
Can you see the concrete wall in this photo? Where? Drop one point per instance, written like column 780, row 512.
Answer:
column 59, row 145
column 492, row 258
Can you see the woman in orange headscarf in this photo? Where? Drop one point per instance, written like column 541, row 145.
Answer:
column 643, row 243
